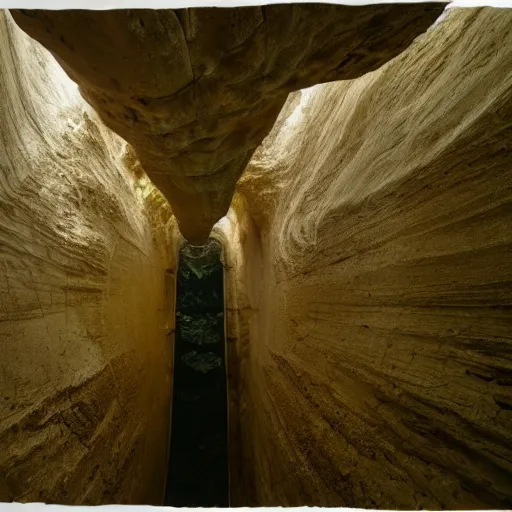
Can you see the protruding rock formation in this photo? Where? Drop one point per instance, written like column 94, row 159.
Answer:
column 194, row 91
column 369, row 262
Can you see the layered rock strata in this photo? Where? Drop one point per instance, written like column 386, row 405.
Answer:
column 369, row 285
column 85, row 297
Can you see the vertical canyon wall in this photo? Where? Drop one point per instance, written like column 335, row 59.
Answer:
column 369, row 272
column 85, row 300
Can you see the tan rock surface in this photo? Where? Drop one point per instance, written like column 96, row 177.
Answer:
column 84, row 315
column 368, row 267
column 194, row 91
column 369, row 278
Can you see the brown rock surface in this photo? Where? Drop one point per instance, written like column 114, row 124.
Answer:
column 85, row 307
column 194, row 91
column 369, row 284
column 368, row 261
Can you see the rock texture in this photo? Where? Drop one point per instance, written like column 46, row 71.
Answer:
column 369, row 284
column 194, row 91
column 368, row 252
column 85, row 301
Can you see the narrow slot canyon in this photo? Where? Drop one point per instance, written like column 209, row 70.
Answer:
column 257, row 256
column 198, row 459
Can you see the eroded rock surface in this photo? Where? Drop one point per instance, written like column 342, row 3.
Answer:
column 367, row 255
column 85, row 304
column 194, row 91
column 369, row 261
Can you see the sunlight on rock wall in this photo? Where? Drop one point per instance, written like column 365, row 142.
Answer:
column 85, row 304
column 369, row 270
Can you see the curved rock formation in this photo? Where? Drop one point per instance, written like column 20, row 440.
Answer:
column 368, row 255
column 369, row 277
column 194, row 91
column 84, row 315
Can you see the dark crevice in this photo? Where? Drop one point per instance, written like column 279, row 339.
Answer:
column 198, row 462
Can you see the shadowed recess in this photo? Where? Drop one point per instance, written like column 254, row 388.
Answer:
column 198, row 464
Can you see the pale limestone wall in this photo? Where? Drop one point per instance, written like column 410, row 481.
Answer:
column 85, row 304
column 370, row 271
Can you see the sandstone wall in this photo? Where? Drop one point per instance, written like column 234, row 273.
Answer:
column 369, row 278
column 85, row 301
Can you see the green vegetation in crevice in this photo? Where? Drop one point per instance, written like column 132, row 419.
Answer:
column 198, row 463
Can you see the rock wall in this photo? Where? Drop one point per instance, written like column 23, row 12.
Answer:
column 369, row 284
column 85, row 302
column 368, row 278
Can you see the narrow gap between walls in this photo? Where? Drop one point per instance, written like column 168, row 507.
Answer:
column 198, row 462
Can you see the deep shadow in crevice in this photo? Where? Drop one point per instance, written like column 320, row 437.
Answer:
column 198, row 463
